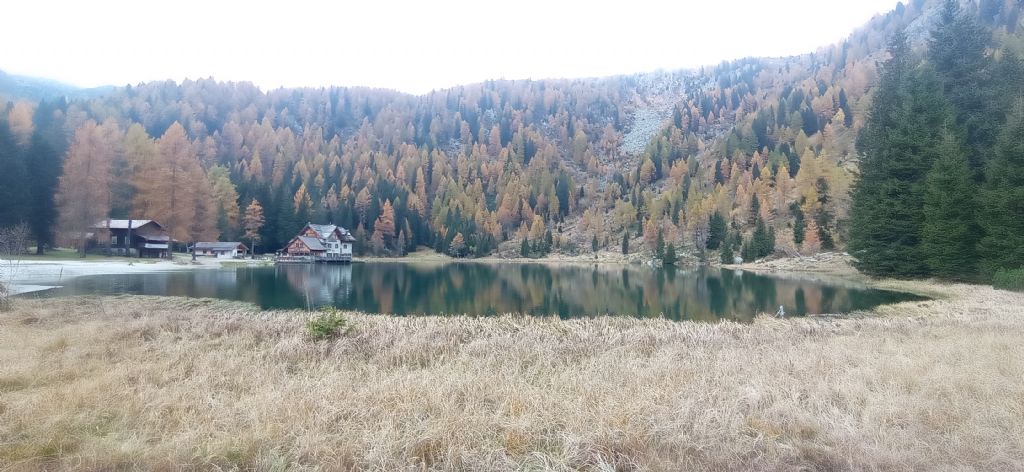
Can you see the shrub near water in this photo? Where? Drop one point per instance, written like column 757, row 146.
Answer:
column 329, row 324
column 1009, row 280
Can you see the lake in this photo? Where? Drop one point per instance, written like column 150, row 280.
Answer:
column 568, row 291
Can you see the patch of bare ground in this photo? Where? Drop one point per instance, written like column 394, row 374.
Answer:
column 829, row 263
column 167, row 383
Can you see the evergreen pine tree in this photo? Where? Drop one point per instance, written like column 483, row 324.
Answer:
column 43, row 166
column 659, row 247
column 950, row 233
column 524, row 248
column 899, row 143
column 717, row 230
column 670, row 255
column 727, row 252
column 824, row 217
column 593, row 244
column 748, row 252
column 1002, row 206
column 763, row 241
column 798, row 223
column 755, row 209
column 13, row 184
column 956, row 49
column 625, row 242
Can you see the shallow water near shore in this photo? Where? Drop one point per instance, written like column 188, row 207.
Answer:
column 567, row 291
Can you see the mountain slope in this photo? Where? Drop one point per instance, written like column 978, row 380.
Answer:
column 560, row 163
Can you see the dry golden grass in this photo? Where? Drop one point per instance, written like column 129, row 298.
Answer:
column 170, row 384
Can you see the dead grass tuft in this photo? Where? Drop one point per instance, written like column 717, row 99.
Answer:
column 163, row 383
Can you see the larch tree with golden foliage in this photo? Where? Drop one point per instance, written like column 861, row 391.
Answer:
column 173, row 186
column 83, row 189
column 253, row 223
column 19, row 119
column 386, row 223
column 225, row 197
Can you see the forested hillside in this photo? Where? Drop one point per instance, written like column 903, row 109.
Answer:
column 750, row 157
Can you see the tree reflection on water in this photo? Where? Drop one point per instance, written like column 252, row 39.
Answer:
column 488, row 289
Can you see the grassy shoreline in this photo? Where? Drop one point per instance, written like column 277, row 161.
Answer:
column 168, row 383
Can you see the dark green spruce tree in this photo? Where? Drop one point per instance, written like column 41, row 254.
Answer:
column 957, row 50
column 951, row 233
column 727, row 255
column 717, row 230
column 43, row 170
column 798, row 222
column 44, row 162
column 13, row 181
column 899, row 143
column 1002, row 207
column 763, row 240
column 670, row 255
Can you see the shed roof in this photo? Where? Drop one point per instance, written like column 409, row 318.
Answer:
column 123, row 224
column 220, row 246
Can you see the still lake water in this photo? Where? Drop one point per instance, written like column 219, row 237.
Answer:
column 487, row 289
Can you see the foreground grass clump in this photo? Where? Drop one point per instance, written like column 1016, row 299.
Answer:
column 177, row 384
column 1009, row 280
column 329, row 324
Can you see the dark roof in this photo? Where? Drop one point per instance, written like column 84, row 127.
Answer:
column 123, row 224
column 312, row 243
column 220, row 246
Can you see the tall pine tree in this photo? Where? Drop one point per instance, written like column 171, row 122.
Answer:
column 1003, row 198
column 44, row 162
column 43, row 170
column 13, row 184
column 957, row 51
column 950, row 234
column 899, row 144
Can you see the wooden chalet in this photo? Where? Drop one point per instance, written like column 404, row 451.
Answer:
column 132, row 238
column 319, row 243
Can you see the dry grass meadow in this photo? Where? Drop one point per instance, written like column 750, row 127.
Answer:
column 172, row 384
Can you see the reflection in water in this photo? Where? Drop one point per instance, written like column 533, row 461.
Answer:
column 488, row 289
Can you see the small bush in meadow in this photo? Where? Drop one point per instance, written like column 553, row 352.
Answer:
column 1012, row 279
column 329, row 324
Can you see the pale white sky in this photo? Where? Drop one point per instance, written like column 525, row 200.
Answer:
column 414, row 46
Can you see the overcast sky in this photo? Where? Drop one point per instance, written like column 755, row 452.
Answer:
column 412, row 46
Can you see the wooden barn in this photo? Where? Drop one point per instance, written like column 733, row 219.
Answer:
column 132, row 238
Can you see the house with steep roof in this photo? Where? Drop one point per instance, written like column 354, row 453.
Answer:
column 132, row 238
column 319, row 243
